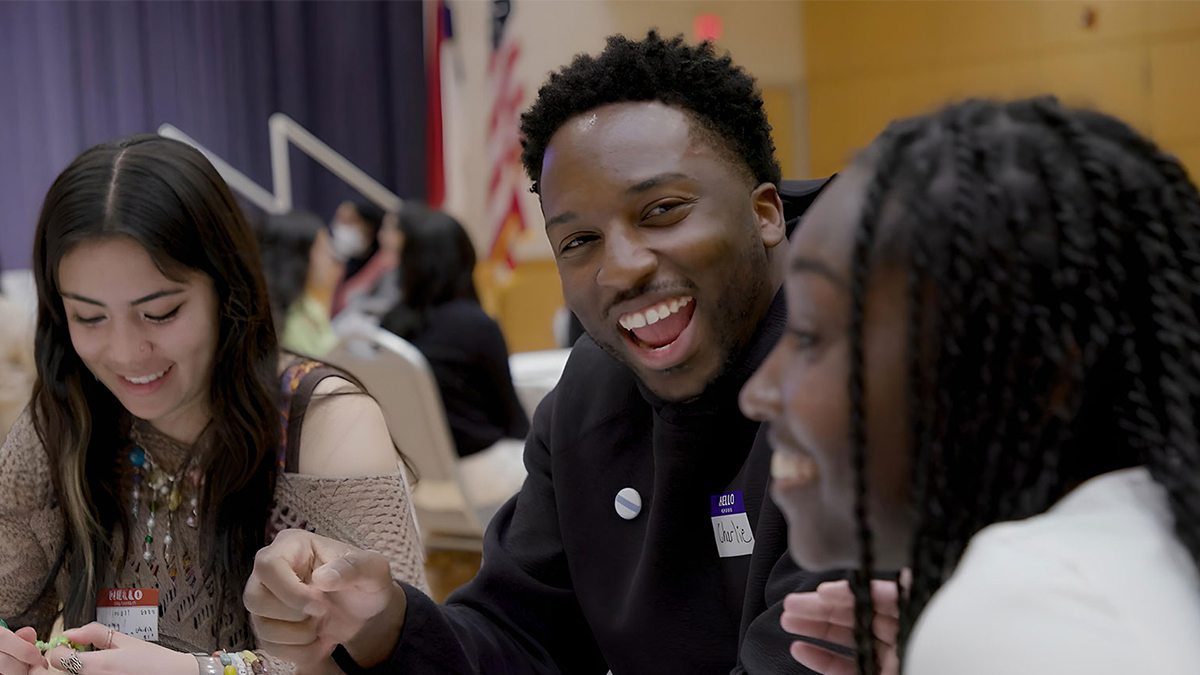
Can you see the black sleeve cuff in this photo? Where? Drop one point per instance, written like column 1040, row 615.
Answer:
column 344, row 661
column 427, row 643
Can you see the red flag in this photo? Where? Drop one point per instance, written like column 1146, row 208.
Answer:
column 438, row 32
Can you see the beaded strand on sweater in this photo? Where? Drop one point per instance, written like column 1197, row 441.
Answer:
column 161, row 489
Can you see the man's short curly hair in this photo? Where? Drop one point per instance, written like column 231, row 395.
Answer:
column 721, row 97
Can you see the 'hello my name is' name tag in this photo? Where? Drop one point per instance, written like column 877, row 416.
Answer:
column 731, row 526
column 132, row 611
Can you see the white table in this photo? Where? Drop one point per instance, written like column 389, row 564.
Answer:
column 535, row 374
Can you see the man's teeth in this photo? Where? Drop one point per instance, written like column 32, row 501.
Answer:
column 790, row 467
column 145, row 379
column 653, row 315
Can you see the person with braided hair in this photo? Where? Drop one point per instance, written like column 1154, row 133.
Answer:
column 989, row 376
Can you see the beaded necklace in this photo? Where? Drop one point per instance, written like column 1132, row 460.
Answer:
column 162, row 489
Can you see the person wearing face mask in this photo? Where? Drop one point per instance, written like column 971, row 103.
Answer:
column 351, row 236
column 367, row 241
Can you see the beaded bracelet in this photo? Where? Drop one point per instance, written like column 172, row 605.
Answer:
column 230, row 668
column 230, row 663
column 254, row 664
column 209, row 665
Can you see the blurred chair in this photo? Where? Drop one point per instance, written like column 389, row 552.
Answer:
column 399, row 377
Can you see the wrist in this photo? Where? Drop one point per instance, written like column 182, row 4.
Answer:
column 376, row 640
column 193, row 664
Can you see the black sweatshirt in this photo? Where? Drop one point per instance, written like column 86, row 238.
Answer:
column 569, row 586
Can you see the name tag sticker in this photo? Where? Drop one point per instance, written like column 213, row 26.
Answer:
column 731, row 526
column 132, row 611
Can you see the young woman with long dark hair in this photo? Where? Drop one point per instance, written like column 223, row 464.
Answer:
column 164, row 445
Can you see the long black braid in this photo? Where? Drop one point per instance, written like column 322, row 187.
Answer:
column 1053, row 261
column 860, row 583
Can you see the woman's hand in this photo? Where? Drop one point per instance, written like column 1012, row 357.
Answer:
column 19, row 654
column 120, row 654
column 828, row 614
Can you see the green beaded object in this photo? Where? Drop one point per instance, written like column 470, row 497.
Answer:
column 58, row 642
column 3, row 624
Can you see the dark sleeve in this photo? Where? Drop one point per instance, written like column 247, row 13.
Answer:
column 519, row 614
column 511, row 415
column 765, row 645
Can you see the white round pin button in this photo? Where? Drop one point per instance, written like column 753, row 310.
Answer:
column 628, row 503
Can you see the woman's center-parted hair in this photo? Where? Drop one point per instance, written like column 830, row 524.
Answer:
column 1053, row 261
column 167, row 197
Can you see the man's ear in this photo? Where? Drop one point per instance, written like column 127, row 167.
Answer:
column 768, row 214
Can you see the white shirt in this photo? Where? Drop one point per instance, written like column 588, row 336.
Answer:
column 1096, row 585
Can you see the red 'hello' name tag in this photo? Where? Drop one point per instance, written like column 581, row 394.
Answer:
column 132, row 611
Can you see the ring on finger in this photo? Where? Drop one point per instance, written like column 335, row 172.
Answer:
column 72, row 664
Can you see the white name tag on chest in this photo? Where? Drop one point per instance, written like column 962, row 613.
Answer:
column 132, row 611
column 731, row 526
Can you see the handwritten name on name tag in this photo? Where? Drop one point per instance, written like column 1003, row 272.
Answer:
column 731, row 526
column 132, row 611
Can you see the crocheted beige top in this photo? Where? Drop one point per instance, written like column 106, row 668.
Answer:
column 371, row 513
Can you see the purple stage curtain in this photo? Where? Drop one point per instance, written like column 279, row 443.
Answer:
column 73, row 74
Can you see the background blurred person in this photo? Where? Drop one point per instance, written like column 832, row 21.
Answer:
column 440, row 315
column 302, row 275
column 366, row 239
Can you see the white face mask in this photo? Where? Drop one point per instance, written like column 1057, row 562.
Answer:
column 348, row 241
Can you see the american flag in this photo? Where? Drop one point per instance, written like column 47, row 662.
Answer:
column 506, row 179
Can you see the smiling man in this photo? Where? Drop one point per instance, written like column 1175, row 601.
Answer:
column 642, row 541
column 667, row 244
